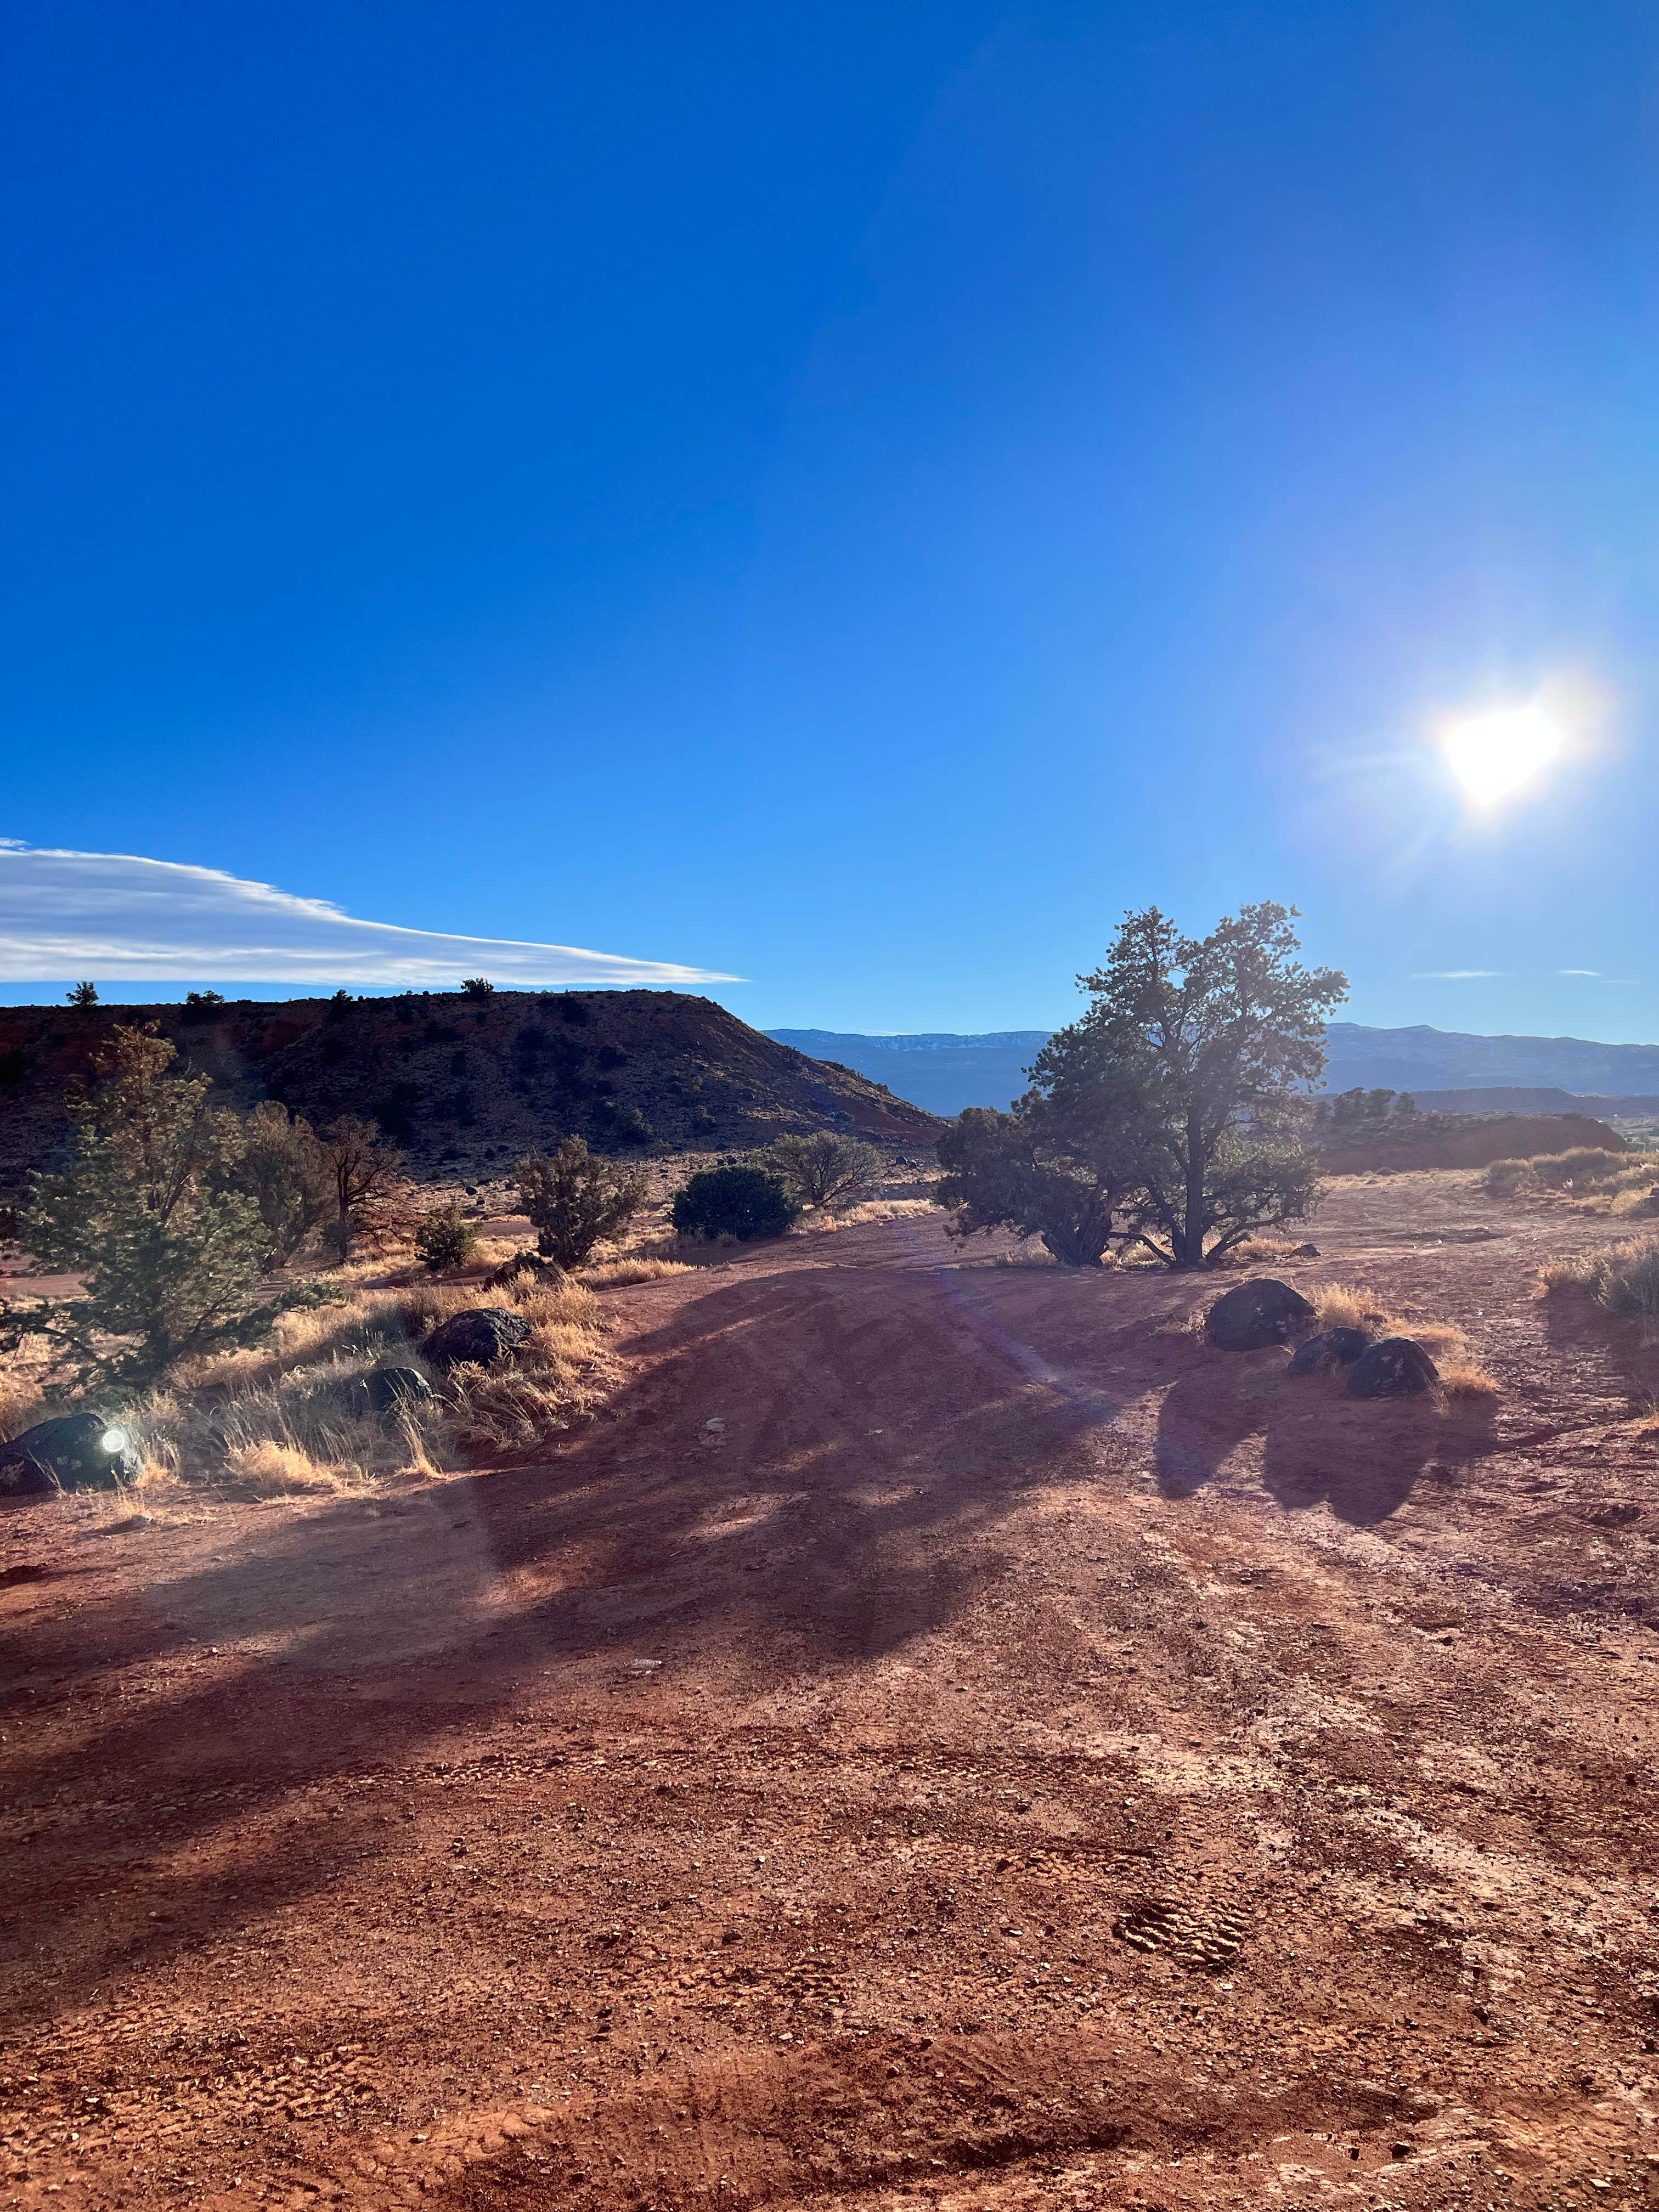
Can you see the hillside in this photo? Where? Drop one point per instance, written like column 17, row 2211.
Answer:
column 466, row 1085
column 1424, row 1058
column 945, row 1071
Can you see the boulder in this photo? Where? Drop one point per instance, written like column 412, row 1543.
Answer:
column 76, row 1451
column 478, row 1337
column 1393, row 1367
column 1259, row 1313
column 1343, row 1345
column 383, row 1390
column 548, row 1272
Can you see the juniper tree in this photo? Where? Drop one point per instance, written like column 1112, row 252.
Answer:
column 575, row 1200
column 169, row 1252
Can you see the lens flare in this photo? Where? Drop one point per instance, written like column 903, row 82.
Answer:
column 114, row 1440
column 1495, row 754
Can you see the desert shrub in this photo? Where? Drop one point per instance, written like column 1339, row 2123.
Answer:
column 824, row 1168
column 1509, row 1178
column 575, row 1200
column 1587, row 1165
column 82, row 995
column 1623, row 1276
column 360, row 1167
column 745, row 1202
column 478, row 986
column 446, row 1238
column 281, row 1167
column 1004, row 1170
column 170, row 1254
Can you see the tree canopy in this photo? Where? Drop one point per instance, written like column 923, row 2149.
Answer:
column 1173, row 1112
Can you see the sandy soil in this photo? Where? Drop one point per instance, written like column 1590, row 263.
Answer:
column 946, row 1736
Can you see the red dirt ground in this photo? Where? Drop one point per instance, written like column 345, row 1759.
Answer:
column 944, row 1737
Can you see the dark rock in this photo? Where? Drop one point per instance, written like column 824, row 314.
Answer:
column 383, row 1389
column 548, row 1272
column 1344, row 1346
column 1393, row 1367
column 1266, row 1311
column 480, row 1336
column 1304, row 1252
column 73, row 1452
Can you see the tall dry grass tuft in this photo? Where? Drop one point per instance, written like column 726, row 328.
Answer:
column 619, row 1275
column 23, row 1402
column 1599, row 1182
column 1623, row 1277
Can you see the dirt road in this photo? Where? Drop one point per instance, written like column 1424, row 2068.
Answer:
column 946, row 1735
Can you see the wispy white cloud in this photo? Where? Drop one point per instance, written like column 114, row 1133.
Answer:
column 1579, row 971
column 116, row 916
column 1454, row 975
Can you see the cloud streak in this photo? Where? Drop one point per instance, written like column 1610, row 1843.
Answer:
column 115, row 916
column 1455, row 975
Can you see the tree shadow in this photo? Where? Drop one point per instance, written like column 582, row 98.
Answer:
column 1363, row 1457
column 1620, row 1351
column 798, row 1477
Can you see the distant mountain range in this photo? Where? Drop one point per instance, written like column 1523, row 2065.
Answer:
column 945, row 1073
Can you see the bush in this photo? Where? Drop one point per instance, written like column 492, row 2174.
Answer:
column 824, row 1168
column 1509, row 1178
column 171, row 1253
column 446, row 1238
column 576, row 1200
column 745, row 1202
column 479, row 986
column 1624, row 1277
column 1588, row 1165
column 285, row 1171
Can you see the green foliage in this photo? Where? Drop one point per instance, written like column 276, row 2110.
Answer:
column 575, row 1200
column 1173, row 1113
column 824, row 1168
column 745, row 1202
column 202, row 1006
column 1005, row 1172
column 1187, row 1078
column 446, row 1238
column 82, row 995
column 287, row 1173
column 479, row 986
column 169, row 1251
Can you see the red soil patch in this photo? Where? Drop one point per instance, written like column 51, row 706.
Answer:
column 945, row 1733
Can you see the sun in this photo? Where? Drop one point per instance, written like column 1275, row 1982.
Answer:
column 1494, row 754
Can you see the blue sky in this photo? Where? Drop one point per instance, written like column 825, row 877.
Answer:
column 848, row 498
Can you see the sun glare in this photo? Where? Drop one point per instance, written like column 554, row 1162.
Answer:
column 1496, row 754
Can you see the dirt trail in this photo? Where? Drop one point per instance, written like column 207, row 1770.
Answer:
column 945, row 1734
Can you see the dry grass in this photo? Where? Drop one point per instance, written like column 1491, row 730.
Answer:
column 1465, row 1378
column 872, row 1209
column 1623, row 1277
column 270, row 1470
column 21, row 1402
column 281, row 1421
column 618, row 1274
column 1596, row 1182
column 1261, row 1251
column 1349, row 1305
